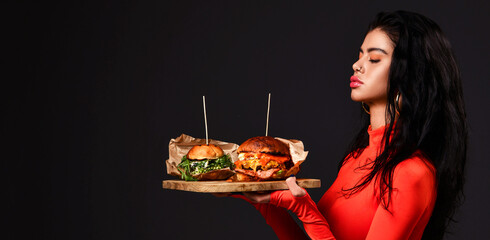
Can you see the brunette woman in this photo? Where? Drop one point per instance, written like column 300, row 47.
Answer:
column 402, row 176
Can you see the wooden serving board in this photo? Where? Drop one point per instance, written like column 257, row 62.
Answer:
column 225, row 186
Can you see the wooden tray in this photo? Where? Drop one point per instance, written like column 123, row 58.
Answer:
column 224, row 186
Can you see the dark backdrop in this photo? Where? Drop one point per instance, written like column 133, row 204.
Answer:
column 102, row 88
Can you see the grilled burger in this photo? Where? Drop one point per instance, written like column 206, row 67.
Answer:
column 263, row 158
column 205, row 162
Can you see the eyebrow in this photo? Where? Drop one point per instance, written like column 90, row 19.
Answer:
column 374, row 49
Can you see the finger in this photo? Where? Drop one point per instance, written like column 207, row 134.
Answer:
column 296, row 190
column 250, row 196
column 241, row 196
column 225, row 194
column 258, row 197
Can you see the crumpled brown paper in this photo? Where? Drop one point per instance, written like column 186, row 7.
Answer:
column 296, row 149
column 179, row 147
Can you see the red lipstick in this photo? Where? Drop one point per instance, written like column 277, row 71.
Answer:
column 355, row 82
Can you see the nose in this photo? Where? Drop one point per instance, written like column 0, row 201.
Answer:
column 357, row 66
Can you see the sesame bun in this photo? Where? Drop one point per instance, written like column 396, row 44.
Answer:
column 201, row 152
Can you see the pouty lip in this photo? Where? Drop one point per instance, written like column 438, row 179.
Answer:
column 355, row 78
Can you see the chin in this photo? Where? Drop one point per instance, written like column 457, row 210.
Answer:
column 355, row 97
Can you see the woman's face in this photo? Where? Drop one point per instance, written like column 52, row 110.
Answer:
column 369, row 83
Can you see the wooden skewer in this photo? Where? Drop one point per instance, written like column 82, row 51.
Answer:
column 205, row 119
column 268, row 109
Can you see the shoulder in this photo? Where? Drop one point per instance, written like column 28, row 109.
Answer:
column 415, row 171
column 415, row 181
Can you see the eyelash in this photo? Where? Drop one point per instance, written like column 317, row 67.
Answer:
column 371, row 60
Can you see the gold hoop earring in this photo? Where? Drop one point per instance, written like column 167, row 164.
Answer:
column 397, row 103
column 364, row 107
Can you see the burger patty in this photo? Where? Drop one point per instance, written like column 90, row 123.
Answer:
column 260, row 174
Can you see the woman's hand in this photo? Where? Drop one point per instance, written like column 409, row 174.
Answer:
column 265, row 197
column 256, row 197
column 225, row 194
column 296, row 190
column 251, row 197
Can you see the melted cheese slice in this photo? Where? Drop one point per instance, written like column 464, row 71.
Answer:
column 262, row 156
column 264, row 160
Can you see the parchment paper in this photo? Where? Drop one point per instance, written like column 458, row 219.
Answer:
column 179, row 147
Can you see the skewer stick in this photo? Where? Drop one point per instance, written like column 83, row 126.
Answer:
column 268, row 109
column 205, row 119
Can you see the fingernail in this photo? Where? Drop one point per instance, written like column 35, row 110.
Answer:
column 292, row 175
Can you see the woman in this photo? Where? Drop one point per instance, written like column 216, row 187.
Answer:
column 403, row 175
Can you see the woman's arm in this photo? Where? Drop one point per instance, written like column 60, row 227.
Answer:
column 412, row 202
column 299, row 202
column 278, row 218
column 314, row 222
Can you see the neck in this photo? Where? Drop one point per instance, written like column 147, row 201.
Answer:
column 378, row 115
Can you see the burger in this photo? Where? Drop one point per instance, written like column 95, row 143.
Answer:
column 263, row 158
column 205, row 162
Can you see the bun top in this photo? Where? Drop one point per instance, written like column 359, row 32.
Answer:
column 264, row 144
column 201, row 152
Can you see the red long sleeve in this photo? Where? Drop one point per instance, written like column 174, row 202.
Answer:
column 412, row 203
column 279, row 219
column 313, row 221
column 362, row 215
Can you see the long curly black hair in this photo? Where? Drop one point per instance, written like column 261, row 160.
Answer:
column 431, row 118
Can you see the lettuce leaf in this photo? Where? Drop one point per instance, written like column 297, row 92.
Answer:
column 188, row 167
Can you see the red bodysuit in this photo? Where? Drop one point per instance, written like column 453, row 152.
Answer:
column 361, row 215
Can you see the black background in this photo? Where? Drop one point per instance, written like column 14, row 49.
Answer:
column 102, row 87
